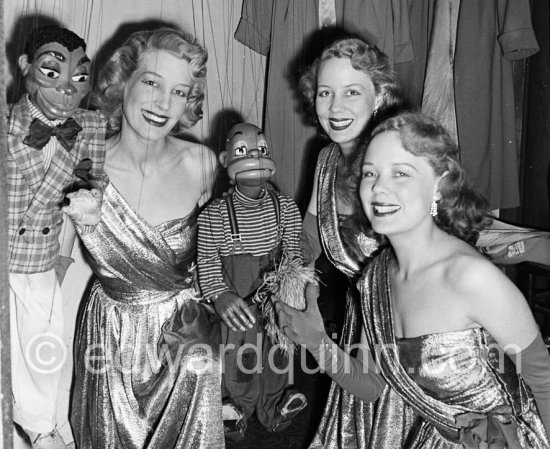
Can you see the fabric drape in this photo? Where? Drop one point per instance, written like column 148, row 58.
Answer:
column 147, row 356
column 347, row 249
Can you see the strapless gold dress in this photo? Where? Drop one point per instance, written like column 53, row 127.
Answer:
column 432, row 380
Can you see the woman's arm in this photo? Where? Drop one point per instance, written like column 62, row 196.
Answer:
column 312, row 207
column 357, row 375
column 493, row 301
column 533, row 363
column 496, row 304
column 311, row 240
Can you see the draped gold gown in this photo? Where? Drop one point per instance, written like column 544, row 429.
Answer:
column 147, row 367
column 439, row 377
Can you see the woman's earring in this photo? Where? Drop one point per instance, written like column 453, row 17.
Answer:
column 433, row 208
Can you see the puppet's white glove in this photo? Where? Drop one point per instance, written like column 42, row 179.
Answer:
column 84, row 206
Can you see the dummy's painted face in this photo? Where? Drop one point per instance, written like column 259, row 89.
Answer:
column 57, row 79
column 247, row 156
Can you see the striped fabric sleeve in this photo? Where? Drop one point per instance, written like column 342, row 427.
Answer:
column 292, row 232
column 210, row 240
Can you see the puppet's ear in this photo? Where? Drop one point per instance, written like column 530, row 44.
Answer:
column 223, row 158
column 24, row 65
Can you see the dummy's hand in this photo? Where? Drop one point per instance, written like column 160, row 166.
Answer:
column 302, row 327
column 234, row 312
column 84, row 206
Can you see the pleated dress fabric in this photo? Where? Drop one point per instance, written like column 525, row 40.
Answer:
column 147, row 366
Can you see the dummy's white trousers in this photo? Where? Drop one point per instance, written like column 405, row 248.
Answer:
column 37, row 349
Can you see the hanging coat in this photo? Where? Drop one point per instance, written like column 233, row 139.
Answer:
column 490, row 35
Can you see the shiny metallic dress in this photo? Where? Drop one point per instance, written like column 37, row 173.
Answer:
column 346, row 247
column 436, row 380
column 147, row 367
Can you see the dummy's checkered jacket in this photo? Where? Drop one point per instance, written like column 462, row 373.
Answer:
column 34, row 197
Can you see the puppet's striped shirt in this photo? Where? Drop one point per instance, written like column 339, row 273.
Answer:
column 257, row 224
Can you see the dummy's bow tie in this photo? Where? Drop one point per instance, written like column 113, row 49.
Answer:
column 40, row 134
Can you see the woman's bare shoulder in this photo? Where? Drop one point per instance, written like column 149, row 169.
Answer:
column 492, row 300
column 194, row 153
column 466, row 267
column 478, row 281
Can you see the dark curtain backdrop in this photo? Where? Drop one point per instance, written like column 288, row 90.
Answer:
column 535, row 204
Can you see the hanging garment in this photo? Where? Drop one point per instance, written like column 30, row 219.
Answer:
column 147, row 366
column 438, row 98
column 411, row 74
column 490, row 35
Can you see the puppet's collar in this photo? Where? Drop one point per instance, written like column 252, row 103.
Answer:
column 248, row 202
column 37, row 113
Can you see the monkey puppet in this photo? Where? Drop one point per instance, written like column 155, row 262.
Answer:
column 48, row 136
column 244, row 238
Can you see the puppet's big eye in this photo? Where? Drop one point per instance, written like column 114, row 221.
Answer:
column 240, row 151
column 262, row 149
column 50, row 73
column 80, row 78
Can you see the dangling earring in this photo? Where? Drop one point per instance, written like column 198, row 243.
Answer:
column 433, row 208
column 374, row 114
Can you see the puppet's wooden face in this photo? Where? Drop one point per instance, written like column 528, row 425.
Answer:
column 57, row 79
column 247, row 157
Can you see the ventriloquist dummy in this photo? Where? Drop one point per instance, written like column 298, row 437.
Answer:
column 49, row 138
column 248, row 249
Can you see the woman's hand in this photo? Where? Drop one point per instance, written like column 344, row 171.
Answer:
column 234, row 312
column 84, row 206
column 303, row 327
